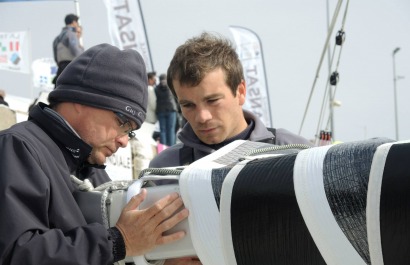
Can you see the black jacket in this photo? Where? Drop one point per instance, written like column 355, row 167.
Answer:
column 40, row 220
column 3, row 102
column 165, row 100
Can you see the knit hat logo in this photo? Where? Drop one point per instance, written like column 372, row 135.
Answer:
column 130, row 110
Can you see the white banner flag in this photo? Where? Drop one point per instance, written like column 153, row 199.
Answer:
column 43, row 72
column 249, row 50
column 14, row 52
column 119, row 165
column 126, row 27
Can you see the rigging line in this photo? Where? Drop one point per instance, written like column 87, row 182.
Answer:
column 321, row 59
column 341, row 47
column 336, row 68
column 325, row 98
column 345, row 15
column 329, row 63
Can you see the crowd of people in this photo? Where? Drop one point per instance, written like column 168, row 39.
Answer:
column 86, row 122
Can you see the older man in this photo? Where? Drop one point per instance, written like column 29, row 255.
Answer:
column 100, row 99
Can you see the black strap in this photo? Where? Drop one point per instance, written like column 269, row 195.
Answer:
column 270, row 140
column 186, row 153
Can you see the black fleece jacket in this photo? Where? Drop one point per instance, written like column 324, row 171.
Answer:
column 41, row 222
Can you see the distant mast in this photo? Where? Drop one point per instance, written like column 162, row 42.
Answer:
column 249, row 49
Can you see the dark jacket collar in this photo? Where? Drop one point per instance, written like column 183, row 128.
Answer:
column 77, row 151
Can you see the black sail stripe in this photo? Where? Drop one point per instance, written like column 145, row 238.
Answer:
column 373, row 203
column 266, row 223
column 395, row 206
column 218, row 177
column 346, row 172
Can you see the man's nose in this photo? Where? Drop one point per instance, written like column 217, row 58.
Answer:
column 203, row 115
column 123, row 140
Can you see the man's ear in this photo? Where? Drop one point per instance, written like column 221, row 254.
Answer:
column 241, row 92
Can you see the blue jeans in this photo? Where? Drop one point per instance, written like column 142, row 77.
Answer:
column 167, row 123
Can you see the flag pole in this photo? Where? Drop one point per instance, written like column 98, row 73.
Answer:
column 77, row 12
column 77, row 7
column 146, row 36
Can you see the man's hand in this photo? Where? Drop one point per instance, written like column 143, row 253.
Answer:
column 142, row 229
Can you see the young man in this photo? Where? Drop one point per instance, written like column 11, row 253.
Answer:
column 100, row 98
column 67, row 46
column 206, row 76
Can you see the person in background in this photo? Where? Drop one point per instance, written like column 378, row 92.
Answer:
column 100, row 99
column 166, row 112
column 206, row 76
column 67, row 46
column 7, row 116
column 152, row 98
column 2, row 96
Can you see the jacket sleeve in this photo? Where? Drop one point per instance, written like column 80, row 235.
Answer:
column 74, row 44
column 36, row 227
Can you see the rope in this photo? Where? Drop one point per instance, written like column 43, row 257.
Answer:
column 85, row 185
column 276, row 148
column 331, row 27
column 159, row 171
column 327, row 89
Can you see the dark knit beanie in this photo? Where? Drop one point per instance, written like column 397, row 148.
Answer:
column 107, row 78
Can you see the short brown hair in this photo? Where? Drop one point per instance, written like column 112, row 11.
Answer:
column 202, row 54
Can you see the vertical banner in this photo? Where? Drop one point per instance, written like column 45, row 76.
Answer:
column 126, row 26
column 119, row 165
column 14, row 52
column 249, row 49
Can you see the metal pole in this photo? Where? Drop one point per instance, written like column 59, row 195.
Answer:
column 331, row 121
column 146, row 36
column 77, row 7
column 77, row 12
column 332, row 25
column 395, row 93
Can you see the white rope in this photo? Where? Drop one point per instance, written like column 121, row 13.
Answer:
column 85, row 185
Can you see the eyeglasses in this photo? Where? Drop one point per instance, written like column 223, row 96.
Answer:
column 122, row 120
